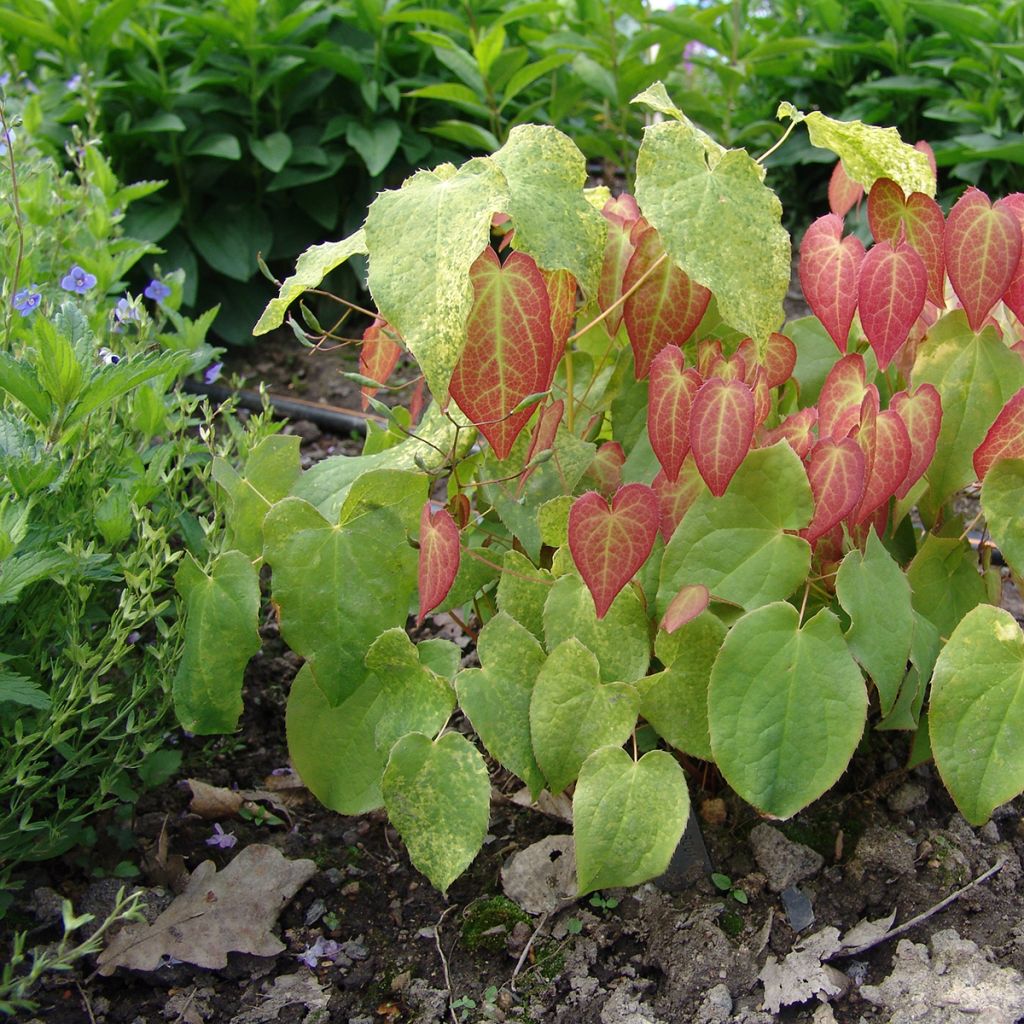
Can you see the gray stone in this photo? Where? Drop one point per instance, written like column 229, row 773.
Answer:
column 799, row 911
column 907, row 798
column 783, row 862
column 885, row 850
column 717, row 1006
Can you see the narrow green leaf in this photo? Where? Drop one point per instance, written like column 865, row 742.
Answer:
column 628, row 817
column 438, row 797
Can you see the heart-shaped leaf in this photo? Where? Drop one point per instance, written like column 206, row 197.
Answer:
column 691, row 600
column 671, row 392
column 841, row 397
column 829, row 272
column 438, row 797
column 982, row 247
column 1002, row 498
column 496, row 696
column 976, row 712
column 945, row 581
column 843, row 192
column 562, row 298
column 665, row 309
column 610, row 545
column 776, row 741
column 616, row 797
column 836, row 471
column 779, row 359
column 886, row 203
column 796, row 429
column 676, row 496
column 891, row 291
column 440, row 554
column 572, row 713
column 1014, row 294
column 721, row 430
column 605, row 472
column 921, row 411
column 508, row 347
column 1005, row 438
column 617, row 252
column 377, row 357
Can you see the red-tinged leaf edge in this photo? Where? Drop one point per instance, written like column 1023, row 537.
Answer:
column 721, row 430
column 797, row 429
column 605, row 471
column 891, row 293
column 543, row 438
column 1013, row 297
column 562, row 298
column 688, row 603
column 841, row 396
column 779, row 359
column 886, row 205
column 843, row 192
column 378, row 356
column 676, row 496
column 1005, row 438
column 836, row 472
column 610, row 545
column 888, row 465
column 439, row 557
column 921, row 411
column 670, row 398
column 829, row 271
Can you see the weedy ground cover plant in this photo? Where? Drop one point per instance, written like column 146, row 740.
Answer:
column 649, row 503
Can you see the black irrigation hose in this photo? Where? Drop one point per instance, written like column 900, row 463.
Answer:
column 330, row 417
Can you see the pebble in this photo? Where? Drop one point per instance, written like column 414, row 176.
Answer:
column 783, row 862
column 907, row 798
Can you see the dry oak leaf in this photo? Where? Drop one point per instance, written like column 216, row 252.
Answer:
column 218, row 913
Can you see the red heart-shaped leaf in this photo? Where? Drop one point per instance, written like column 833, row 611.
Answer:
column 688, row 603
column 562, row 298
column 891, row 290
column 888, row 464
column 836, row 472
column 377, row 356
column 1005, row 438
column 721, row 430
column 665, row 309
column 676, row 496
column 982, row 247
column 886, row 204
column 797, row 429
column 1014, row 294
column 622, row 209
column 841, row 396
column 762, row 396
column 543, row 438
column 605, row 472
column 618, row 249
column 440, row 554
column 921, row 411
column 709, row 353
column 843, row 192
column 829, row 270
column 779, row 359
column 610, row 545
column 508, row 347
column 670, row 398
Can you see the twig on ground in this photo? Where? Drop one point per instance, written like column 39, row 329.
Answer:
column 444, row 962
column 85, row 1002
column 526, row 949
column 914, row 921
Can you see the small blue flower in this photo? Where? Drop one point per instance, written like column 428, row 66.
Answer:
column 109, row 358
column 326, row 949
column 7, row 138
column 220, row 838
column 74, row 83
column 125, row 312
column 78, row 280
column 212, row 372
column 157, row 291
column 26, row 301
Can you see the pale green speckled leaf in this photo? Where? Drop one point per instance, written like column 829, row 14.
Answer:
column 1002, row 499
column 422, row 239
column 554, row 223
column 438, row 797
column 496, row 697
column 312, row 267
column 522, row 591
column 628, row 817
column 868, row 153
column 692, row 194
column 976, row 712
column 620, row 641
column 572, row 713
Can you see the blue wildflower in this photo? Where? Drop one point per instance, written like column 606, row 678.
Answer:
column 73, row 83
column 6, row 139
column 212, row 372
column 78, row 280
column 157, row 291
column 220, row 838
column 125, row 312
column 110, row 359
column 27, row 300
column 327, row 949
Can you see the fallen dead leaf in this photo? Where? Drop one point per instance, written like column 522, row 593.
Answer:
column 218, row 913
column 559, row 807
column 542, row 878
column 216, row 803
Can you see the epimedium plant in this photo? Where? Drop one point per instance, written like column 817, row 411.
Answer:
column 654, row 505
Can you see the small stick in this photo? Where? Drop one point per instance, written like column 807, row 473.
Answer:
column 85, row 1002
column 907, row 925
column 526, row 949
column 444, row 962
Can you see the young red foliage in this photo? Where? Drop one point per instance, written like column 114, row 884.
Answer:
column 709, row 353
column 460, row 510
column 508, row 347
column 779, row 359
column 721, row 430
column 618, row 249
column 797, row 429
column 1014, row 294
column 888, row 464
column 377, row 357
column 829, row 271
column 836, row 471
column 843, row 192
column 886, row 204
column 562, row 297
column 670, row 398
column 416, row 400
column 1005, row 438
column 691, row 600
column 605, row 472
column 841, row 397
column 543, row 439
column 891, row 293
column 665, row 309
column 982, row 247
column 921, row 411
column 762, row 396
column 732, row 367
column 440, row 554
column 676, row 496
column 610, row 545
